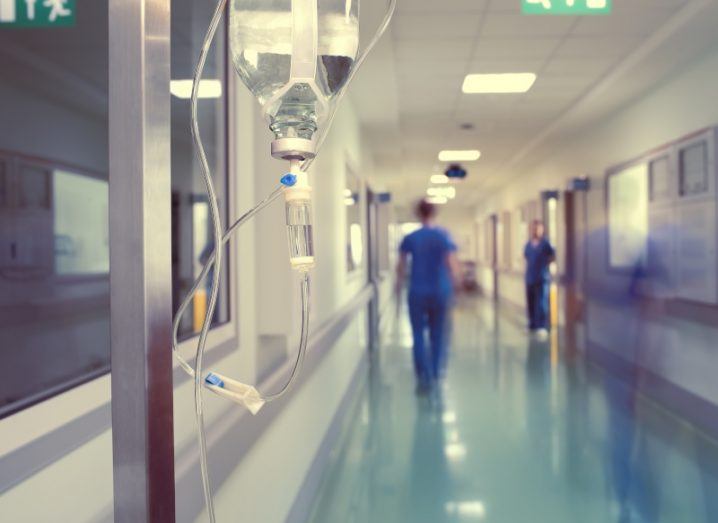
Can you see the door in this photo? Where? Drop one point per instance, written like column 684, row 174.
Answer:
column 373, row 269
column 494, row 254
column 555, row 233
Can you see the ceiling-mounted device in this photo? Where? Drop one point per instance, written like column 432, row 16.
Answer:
column 455, row 172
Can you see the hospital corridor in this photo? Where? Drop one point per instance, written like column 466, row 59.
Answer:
column 359, row 261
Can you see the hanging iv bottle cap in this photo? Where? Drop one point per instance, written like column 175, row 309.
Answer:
column 293, row 149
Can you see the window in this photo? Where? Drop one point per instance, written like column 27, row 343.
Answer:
column 191, row 225
column 354, row 236
column 628, row 217
column 80, row 224
column 660, row 179
column 693, row 162
column 54, row 279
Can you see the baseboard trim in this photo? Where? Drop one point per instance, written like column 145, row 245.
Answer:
column 695, row 409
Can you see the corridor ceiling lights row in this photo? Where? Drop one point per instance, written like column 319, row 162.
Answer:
column 439, row 179
column 498, row 83
column 470, row 155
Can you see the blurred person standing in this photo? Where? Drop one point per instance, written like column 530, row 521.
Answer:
column 434, row 273
column 539, row 254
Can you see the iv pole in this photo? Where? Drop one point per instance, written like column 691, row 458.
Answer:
column 140, row 284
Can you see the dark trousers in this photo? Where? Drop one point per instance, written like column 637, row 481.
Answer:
column 537, row 305
column 429, row 311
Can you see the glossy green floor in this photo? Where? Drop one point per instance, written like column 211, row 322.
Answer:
column 517, row 434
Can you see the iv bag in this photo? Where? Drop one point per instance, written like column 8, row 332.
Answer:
column 294, row 56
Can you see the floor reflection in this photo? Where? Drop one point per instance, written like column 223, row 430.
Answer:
column 518, row 432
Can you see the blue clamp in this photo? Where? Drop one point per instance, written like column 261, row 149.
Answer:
column 288, row 180
column 213, row 379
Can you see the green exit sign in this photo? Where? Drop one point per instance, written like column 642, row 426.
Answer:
column 566, row 7
column 37, row 13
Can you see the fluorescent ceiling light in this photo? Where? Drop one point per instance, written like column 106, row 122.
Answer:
column 207, row 89
column 459, row 156
column 498, row 83
column 437, row 200
column 442, row 192
column 439, row 178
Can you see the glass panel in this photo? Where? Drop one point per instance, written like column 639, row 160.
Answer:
column 81, row 228
column 34, row 187
column 660, row 179
column 694, row 169
column 354, row 234
column 628, row 217
column 54, row 281
column 3, row 182
column 191, row 228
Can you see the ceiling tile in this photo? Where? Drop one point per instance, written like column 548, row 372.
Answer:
column 446, row 6
column 508, row 47
column 426, row 51
column 495, row 65
column 596, row 46
column 625, row 20
column 435, row 25
column 520, row 26
column 578, row 66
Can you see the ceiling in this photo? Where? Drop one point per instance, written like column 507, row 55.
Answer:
column 431, row 46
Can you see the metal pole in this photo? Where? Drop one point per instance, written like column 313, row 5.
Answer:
column 140, row 265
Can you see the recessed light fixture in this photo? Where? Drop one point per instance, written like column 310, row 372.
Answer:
column 498, row 83
column 442, row 192
column 459, row 156
column 439, row 179
column 207, row 89
column 437, row 200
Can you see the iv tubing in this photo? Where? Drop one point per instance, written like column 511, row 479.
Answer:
column 205, row 270
column 220, row 240
column 359, row 62
column 217, row 236
column 303, row 339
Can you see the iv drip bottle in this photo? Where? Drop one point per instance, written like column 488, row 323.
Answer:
column 294, row 56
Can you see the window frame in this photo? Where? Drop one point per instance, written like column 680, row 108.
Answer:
column 70, row 402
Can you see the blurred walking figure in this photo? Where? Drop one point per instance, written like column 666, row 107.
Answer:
column 434, row 272
column 539, row 254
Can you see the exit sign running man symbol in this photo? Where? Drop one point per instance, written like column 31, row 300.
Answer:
column 566, row 7
column 37, row 13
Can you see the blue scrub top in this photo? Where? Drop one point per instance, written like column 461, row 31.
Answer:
column 429, row 248
column 538, row 258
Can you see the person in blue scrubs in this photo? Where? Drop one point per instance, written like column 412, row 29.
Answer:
column 539, row 254
column 434, row 273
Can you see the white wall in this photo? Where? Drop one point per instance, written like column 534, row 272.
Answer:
column 265, row 482
column 683, row 104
